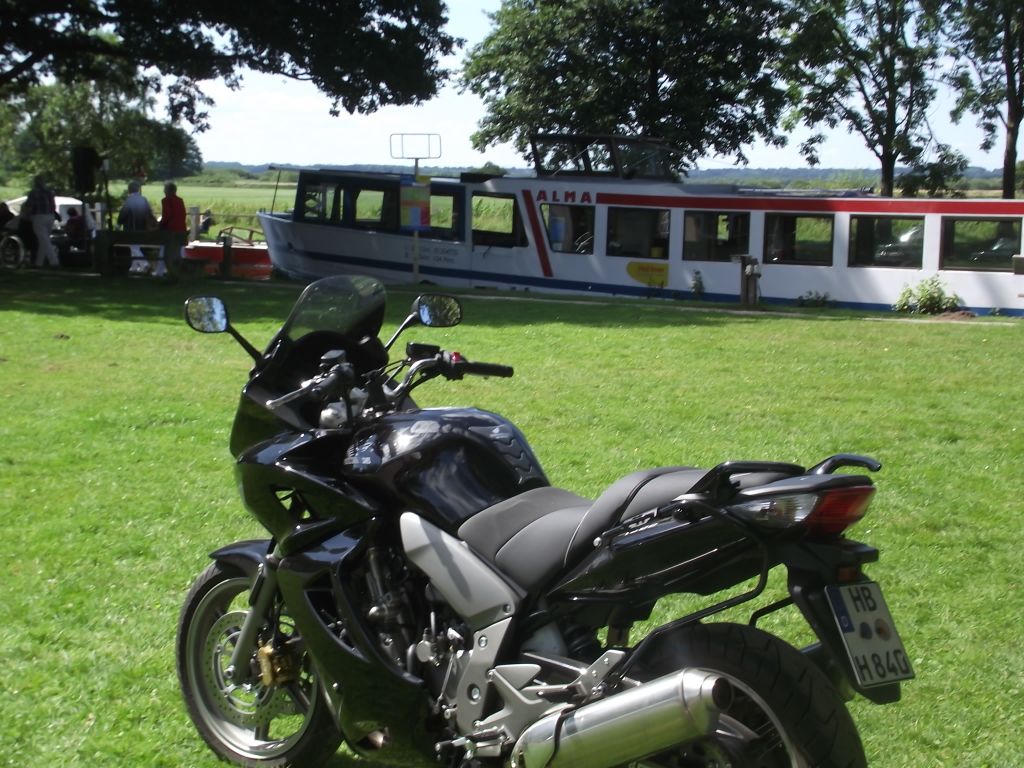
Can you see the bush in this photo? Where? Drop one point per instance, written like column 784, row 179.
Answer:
column 814, row 299
column 697, row 285
column 928, row 297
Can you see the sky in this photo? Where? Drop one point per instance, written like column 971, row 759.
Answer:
column 275, row 120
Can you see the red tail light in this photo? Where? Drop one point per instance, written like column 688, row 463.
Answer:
column 839, row 508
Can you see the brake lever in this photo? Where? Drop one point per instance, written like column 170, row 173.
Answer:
column 342, row 374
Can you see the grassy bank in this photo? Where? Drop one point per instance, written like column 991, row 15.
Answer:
column 115, row 482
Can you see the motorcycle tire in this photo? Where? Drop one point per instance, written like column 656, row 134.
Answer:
column 12, row 252
column 785, row 712
column 249, row 725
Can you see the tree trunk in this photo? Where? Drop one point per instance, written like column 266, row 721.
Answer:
column 888, row 182
column 1010, row 150
column 1011, row 42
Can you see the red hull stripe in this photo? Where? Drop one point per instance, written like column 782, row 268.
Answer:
column 539, row 238
column 821, row 205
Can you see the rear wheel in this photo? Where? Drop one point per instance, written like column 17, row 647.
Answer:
column 249, row 724
column 785, row 712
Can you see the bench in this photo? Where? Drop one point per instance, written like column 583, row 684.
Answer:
column 110, row 256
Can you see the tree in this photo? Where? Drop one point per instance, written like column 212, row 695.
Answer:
column 114, row 116
column 361, row 55
column 868, row 65
column 942, row 177
column 987, row 36
column 700, row 76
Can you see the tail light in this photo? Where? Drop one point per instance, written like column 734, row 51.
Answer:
column 839, row 509
column 826, row 512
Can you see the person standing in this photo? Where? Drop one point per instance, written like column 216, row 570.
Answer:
column 172, row 219
column 134, row 216
column 43, row 208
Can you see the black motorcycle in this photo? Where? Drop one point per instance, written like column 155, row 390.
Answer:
column 427, row 597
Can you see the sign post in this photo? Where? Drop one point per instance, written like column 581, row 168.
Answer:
column 414, row 197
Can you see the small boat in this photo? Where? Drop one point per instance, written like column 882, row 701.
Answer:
column 606, row 215
column 247, row 255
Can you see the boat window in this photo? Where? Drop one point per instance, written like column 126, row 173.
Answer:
column 320, row 202
column 792, row 238
column 715, row 236
column 376, row 208
column 570, row 227
column 979, row 244
column 638, row 232
column 886, row 241
column 496, row 221
column 445, row 215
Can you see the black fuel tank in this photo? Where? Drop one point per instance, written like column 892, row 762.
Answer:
column 447, row 463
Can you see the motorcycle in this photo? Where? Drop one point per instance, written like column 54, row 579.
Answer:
column 426, row 596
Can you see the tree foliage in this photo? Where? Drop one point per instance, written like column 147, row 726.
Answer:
column 942, row 177
column 869, row 65
column 700, row 76
column 361, row 55
column 987, row 37
column 46, row 122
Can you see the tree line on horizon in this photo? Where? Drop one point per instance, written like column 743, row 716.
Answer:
column 706, row 78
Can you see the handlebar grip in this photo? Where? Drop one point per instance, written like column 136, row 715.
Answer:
column 489, row 369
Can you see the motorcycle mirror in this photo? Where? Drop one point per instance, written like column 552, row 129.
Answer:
column 437, row 311
column 206, row 314
column 209, row 314
column 431, row 309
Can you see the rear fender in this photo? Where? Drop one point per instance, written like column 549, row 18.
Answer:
column 812, row 567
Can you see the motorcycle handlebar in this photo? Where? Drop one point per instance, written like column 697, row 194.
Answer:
column 318, row 386
column 487, row 369
column 450, row 365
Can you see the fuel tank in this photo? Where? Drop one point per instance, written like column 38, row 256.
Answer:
column 446, row 463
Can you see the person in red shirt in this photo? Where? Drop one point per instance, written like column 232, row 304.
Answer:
column 172, row 219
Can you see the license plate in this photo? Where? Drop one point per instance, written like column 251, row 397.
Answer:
column 876, row 652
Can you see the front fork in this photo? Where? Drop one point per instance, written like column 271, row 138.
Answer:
column 261, row 600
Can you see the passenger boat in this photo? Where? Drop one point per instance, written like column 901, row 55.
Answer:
column 606, row 215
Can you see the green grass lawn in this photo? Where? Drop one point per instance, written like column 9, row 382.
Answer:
column 115, row 482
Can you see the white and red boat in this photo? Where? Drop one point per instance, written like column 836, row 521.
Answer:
column 237, row 252
column 606, row 215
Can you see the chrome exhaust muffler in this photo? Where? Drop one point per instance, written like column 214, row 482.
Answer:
column 627, row 726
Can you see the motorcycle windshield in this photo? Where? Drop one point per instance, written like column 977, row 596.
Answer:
column 352, row 306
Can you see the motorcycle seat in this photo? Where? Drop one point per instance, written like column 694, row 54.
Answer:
column 537, row 534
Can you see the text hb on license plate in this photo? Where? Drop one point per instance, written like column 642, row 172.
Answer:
column 872, row 642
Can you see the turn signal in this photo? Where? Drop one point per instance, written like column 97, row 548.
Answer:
column 778, row 511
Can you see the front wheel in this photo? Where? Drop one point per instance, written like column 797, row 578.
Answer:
column 785, row 712
column 247, row 723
